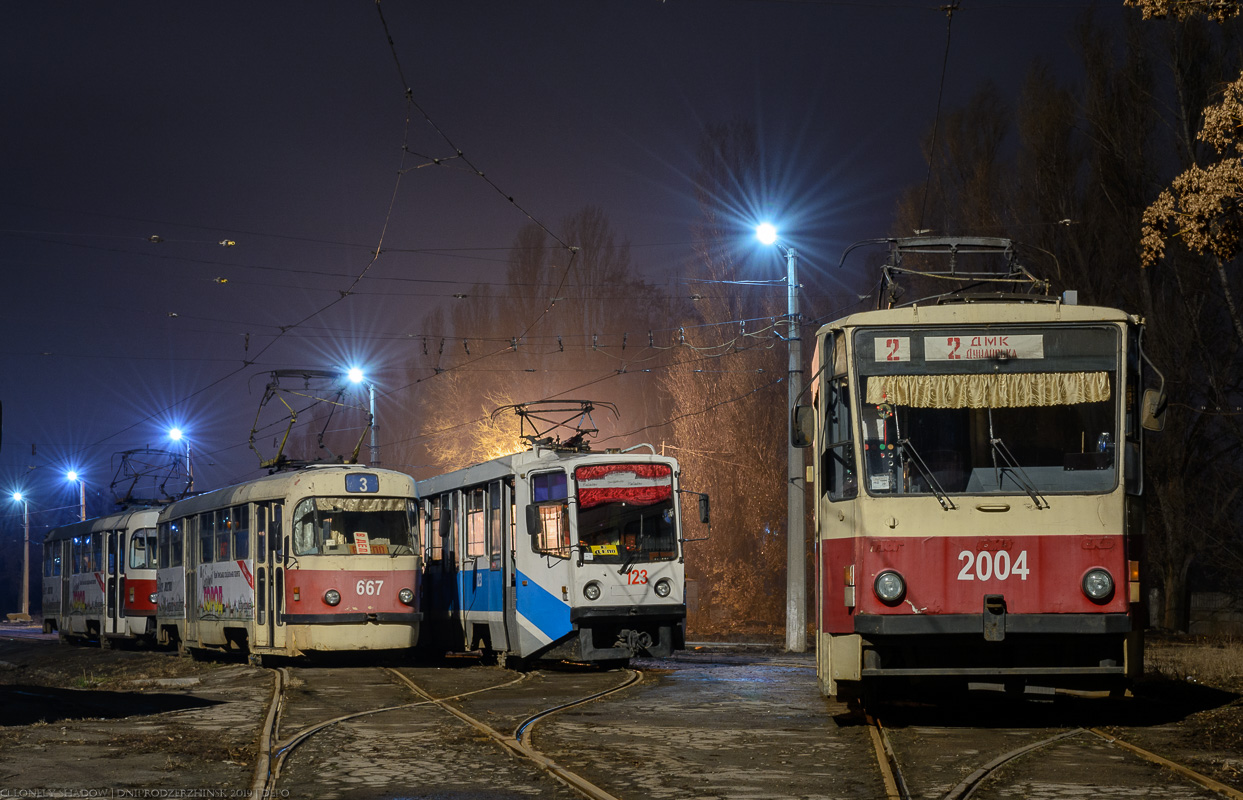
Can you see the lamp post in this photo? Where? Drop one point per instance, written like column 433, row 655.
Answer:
column 796, row 559
column 75, row 478
column 356, row 376
column 25, row 608
column 177, row 435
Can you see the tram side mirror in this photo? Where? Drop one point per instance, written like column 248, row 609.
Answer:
column 705, row 512
column 802, row 426
column 1152, row 410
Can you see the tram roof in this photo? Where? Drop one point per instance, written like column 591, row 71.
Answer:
column 981, row 311
column 539, row 458
column 268, row 487
column 135, row 517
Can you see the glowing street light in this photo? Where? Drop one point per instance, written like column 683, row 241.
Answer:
column 24, row 614
column 796, row 567
column 177, row 435
column 356, row 375
column 73, row 477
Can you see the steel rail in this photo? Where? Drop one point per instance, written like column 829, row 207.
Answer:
column 895, row 787
column 1186, row 772
column 514, row 745
column 272, row 754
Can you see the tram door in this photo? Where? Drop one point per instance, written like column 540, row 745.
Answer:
column 542, row 571
column 115, row 548
column 500, row 567
column 263, row 568
column 66, row 578
column 269, row 575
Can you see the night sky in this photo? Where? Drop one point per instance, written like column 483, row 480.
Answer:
column 279, row 126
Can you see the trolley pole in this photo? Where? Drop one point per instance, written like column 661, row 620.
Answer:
column 796, row 569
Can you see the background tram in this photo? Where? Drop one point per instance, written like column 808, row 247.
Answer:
column 99, row 578
column 322, row 558
column 555, row 553
column 978, row 470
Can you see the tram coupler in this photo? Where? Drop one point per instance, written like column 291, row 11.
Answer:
column 994, row 617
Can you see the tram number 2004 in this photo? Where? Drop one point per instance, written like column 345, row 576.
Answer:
column 989, row 564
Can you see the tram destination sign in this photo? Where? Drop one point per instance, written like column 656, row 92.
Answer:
column 958, row 347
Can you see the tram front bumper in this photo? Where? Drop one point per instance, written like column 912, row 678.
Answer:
column 606, row 633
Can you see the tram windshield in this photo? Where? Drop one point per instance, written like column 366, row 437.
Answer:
column 354, row 526
column 988, row 412
column 625, row 513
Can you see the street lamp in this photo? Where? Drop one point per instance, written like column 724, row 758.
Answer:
column 74, row 478
column 24, row 615
column 176, row 435
column 796, row 559
column 355, row 375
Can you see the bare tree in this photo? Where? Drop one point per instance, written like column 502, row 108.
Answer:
column 568, row 322
column 728, row 406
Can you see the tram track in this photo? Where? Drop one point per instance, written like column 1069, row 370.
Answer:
column 515, row 744
column 897, row 788
column 275, row 749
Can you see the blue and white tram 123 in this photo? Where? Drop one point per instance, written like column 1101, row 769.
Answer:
column 552, row 553
column 99, row 578
column 322, row 558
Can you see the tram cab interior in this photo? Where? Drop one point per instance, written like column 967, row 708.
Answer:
column 352, row 526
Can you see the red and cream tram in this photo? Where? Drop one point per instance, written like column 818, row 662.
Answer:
column 322, row 558
column 99, row 578
column 978, row 470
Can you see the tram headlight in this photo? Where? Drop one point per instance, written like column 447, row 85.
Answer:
column 154, row 598
column 890, row 587
column 663, row 587
column 1098, row 585
column 592, row 591
column 332, row 597
column 406, row 596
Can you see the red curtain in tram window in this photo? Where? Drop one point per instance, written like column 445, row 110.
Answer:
column 642, row 495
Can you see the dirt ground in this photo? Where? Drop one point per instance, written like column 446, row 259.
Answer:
column 192, row 725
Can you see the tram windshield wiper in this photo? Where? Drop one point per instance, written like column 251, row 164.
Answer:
column 1016, row 472
column 912, row 457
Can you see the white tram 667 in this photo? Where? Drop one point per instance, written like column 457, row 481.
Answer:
column 555, row 553
column 978, row 471
column 99, row 578
column 322, row 558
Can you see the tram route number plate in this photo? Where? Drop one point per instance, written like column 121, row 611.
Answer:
column 362, row 482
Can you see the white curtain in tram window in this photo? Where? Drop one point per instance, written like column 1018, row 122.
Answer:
column 1011, row 390
column 360, row 503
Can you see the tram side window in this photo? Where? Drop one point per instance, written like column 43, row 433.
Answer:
column 476, row 527
column 162, row 545
column 304, row 538
column 239, row 519
column 549, row 514
column 207, row 536
column 224, row 533
column 261, row 530
column 839, row 480
column 142, row 549
column 495, row 519
column 97, row 552
column 176, row 545
column 435, row 547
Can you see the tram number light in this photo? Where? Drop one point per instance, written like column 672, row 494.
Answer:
column 989, row 565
